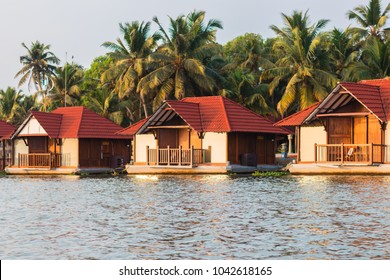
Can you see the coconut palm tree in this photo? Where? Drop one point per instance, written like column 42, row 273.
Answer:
column 302, row 67
column 181, row 63
column 247, row 52
column 243, row 88
column 129, row 55
column 374, row 62
column 371, row 18
column 106, row 103
column 10, row 109
column 66, row 85
column 39, row 65
column 344, row 51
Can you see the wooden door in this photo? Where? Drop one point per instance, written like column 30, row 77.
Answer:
column 261, row 151
column 340, row 130
column 360, row 130
column 265, row 150
column 375, row 137
column 167, row 137
column 37, row 145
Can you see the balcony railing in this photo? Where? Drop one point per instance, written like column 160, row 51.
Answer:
column 177, row 156
column 351, row 153
column 41, row 160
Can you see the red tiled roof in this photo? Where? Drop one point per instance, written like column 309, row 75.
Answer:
column 372, row 94
column 369, row 95
column 6, row 130
column 77, row 122
column 213, row 113
column 80, row 122
column 297, row 118
column 51, row 123
column 188, row 111
column 384, row 85
column 219, row 114
column 132, row 129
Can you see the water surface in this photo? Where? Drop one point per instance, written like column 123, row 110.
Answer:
column 195, row 217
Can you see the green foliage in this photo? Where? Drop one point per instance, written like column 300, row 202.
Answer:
column 143, row 67
column 269, row 173
column 179, row 66
column 371, row 19
column 302, row 67
column 38, row 70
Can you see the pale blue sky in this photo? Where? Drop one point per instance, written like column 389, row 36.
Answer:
column 79, row 27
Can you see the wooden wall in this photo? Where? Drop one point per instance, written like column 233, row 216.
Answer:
column 176, row 137
column 356, row 130
column 262, row 145
column 100, row 152
column 340, row 130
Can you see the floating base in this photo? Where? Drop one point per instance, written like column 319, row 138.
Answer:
column 320, row 169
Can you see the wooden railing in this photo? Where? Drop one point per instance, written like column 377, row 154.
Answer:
column 40, row 160
column 177, row 156
column 351, row 153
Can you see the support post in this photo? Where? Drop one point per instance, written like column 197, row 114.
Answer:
column 147, row 156
column 4, row 156
column 290, row 143
column 192, row 156
column 169, row 155
column 315, row 152
column 342, row 153
column 180, row 148
column 371, row 153
column 157, row 156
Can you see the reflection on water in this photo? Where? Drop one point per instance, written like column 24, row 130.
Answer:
column 195, row 217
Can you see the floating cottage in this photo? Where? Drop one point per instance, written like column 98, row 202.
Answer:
column 67, row 140
column 202, row 135
column 346, row 132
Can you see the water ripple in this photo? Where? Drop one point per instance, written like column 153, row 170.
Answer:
column 195, row 217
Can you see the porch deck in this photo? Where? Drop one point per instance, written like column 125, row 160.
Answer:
column 351, row 154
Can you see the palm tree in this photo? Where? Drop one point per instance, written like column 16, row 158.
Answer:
column 242, row 87
column 302, row 64
column 129, row 55
column 10, row 109
column 374, row 62
column 247, row 52
column 344, row 51
column 106, row 103
column 66, row 85
column 39, row 65
column 181, row 63
column 371, row 18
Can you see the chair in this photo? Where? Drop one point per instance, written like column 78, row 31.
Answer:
column 349, row 155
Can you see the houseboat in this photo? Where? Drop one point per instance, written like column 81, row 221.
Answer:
column 346, row 132
column 202, row 135
column 65, row 141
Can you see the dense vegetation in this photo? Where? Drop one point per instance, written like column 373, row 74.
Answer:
column 274, row 77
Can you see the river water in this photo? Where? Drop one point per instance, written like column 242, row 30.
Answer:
column 195, row 217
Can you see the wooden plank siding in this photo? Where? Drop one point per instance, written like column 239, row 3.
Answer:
column 262, row 145
column 340, row 130
column 101, row 152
